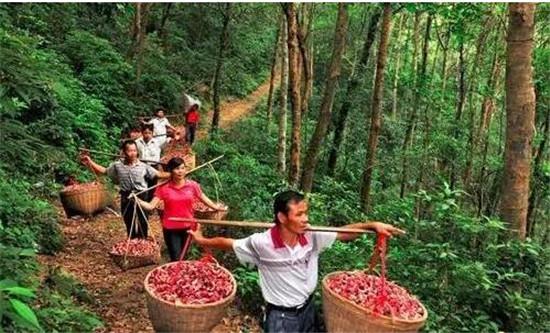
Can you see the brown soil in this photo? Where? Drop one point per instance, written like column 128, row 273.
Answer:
column 119, row 295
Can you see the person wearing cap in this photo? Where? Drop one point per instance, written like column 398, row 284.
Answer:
column 287, row 259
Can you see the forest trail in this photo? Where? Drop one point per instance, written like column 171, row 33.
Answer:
column 234, row 109
column 119, row 296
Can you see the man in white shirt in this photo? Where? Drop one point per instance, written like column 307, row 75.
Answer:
column 160, row 123
column 149, row 149
column 287, row 259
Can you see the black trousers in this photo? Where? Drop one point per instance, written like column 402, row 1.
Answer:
column 280, row 320
column 190, row 133
column 140, row 227
column 175, row 240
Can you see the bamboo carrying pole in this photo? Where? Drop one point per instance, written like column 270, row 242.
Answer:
column 192, row 170
column 265, row 225
column 114, row 155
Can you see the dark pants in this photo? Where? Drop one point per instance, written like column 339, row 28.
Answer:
column 175, row 240
column 281, row 321
column 140, row 227
column 190, row 133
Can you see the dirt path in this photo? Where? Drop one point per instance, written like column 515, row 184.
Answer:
column 119, row 295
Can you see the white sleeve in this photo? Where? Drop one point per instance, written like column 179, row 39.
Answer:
column 322, row 240
column 245, row 251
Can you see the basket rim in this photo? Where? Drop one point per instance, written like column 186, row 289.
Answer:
column 96, row 188
column 210, row 210
column 133, row 256
column 150, row 239
column 191, row 306
column 362, row 309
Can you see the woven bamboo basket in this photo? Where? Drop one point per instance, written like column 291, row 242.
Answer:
column 209, row 214
column 342, row 315
column 86, row 201
column 186, row 318
column 128, row 262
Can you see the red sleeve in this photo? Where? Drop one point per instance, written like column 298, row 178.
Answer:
column 159, row 192
column 197, row 189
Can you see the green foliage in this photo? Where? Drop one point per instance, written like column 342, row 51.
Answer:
column 462, row 267
column 13, row 305
column 248, row 287
column 26, row 221
column 59, row 313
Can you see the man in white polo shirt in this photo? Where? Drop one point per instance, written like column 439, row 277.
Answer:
column 287, row 259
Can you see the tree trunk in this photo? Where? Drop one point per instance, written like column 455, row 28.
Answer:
column 376, row 108
column 351, row 91
column 304, row 41
column 295, row 96
column 139, row 33
column 445, row 47
column 520, row 117
column 283, row 90
column 472, row 139
column 272, row 77
column 459, row 109
column 163, row 32
column 538, row 174
column 218, row 74
column 419, row 84
column 331, row 83
column 399, row 52
column 487, row 110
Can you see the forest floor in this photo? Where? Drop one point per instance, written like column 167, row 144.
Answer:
column 119, row 296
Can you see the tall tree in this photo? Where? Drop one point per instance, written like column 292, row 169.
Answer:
column 138, row 33
column 276, row 48
column 538, row 173
column 295, row 93
column 218, row 74
column 376, row 122
column 331, row 83
column 283, row 90
column 472, row 139
column 462, row 89
column 520, row 117
column 420, row 78
column 163, row 32
column 354, row 83
column 305, row 43
column 399, row 51
column 487, row 110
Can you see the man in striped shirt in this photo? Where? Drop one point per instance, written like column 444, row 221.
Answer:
column 131, row 175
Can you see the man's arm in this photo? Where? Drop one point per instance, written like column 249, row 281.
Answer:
column 378, row 227
column 220, row 243
column 87, row 161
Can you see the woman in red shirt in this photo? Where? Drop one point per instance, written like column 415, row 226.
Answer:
column 178, row 196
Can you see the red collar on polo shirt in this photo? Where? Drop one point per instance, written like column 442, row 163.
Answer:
column 278, row 240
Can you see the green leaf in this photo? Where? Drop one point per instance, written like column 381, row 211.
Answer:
column 19, row 291
column 27, row 253
column 25, row 312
